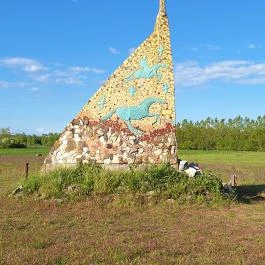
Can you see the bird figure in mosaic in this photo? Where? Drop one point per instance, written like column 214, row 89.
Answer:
column 146, row 71
column 134, row 113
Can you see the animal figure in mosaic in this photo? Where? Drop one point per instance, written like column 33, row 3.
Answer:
column 134, row 113
column 146, row 71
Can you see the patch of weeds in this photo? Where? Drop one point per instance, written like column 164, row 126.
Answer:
column 60, row 261
column 2, row 262
column 32, row 184
column 41, row 244
column 139, row 187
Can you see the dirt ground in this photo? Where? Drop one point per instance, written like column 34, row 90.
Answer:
column 92, row 232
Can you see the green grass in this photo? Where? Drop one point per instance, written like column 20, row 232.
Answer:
column 224, row 157
column 24, row 151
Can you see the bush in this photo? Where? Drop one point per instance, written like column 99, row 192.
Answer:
column 16, row 145
column 160, row 182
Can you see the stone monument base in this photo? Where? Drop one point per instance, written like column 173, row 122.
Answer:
column 112, row 145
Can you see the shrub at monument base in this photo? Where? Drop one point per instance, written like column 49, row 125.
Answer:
column 153, row 184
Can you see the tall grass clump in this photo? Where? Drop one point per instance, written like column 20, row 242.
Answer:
column 159, row 182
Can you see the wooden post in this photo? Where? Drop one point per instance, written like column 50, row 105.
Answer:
column 233, row 181
column 27, row 170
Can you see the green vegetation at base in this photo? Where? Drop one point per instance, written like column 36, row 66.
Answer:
column 155, row 183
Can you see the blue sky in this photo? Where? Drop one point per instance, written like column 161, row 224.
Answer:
column 54, row 55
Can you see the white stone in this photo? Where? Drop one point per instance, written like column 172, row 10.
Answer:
column 107, row 161
column 87, row 155
column 125, row 156
column 141, row 150
column 85, row 150
column 130, row 160
column 173, row 150
column 131, row 142
column 151, row 160
column 76, row 135
column 158, row 152
column 97, row 157
column 115, row 159
column 113, row 138
column 68, row 133
column 102, row 139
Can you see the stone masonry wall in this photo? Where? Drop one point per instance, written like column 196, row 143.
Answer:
column 131, row 118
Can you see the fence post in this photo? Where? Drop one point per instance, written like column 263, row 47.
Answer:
column 233, row 181
column 27, row 170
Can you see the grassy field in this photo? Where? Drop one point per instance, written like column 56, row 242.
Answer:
column 222, row 157
column 92, row 231
column 24, row 151
column 248, row 166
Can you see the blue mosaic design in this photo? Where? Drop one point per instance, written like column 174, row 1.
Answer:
column 161, row 50
column 102, row 102
column 165, row 88
column 134, row 113
column 132, row 91
column 146, row 71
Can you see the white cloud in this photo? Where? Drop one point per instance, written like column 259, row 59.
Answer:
column 24, row 64
column 74, row 75
column 131, row 50
column 7, row 84
column 252, row 46
column 70, row 80
column 33, row 70
column 40, row 130
column 42, row 78
column 238, row 71
column 211, row 47
column 35, row 89
column 81, row 69
column 113, row 50
column 4, row 84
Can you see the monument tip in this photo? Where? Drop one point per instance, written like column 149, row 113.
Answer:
column 162, row 9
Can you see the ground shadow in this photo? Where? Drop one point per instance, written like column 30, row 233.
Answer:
column 248, row 193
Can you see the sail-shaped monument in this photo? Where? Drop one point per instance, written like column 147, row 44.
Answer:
column 131, row 118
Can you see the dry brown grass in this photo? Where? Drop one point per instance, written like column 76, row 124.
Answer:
column 12, row 168
column 89, row 232
column 246, row 173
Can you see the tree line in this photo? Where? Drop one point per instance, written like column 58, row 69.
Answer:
column 238, row 134
column 22, row 140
